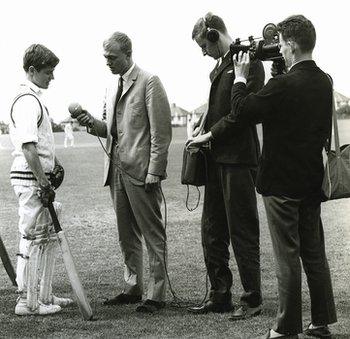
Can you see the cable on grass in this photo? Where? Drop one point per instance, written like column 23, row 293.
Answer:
column 177, row 301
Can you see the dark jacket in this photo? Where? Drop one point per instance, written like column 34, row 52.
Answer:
column 242, row 147
column 295, row 111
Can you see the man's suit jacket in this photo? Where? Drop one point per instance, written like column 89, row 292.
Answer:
column 143, row 126
column 295, row 111
column 242, row 147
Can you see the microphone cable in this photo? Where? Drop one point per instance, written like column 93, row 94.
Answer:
column 177, row 301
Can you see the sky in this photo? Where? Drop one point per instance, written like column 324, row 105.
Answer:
column 161, row 35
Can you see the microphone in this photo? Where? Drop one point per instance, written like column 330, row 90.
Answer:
column 75, row 109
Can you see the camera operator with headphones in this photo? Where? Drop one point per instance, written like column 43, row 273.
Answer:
column 230, row 210
column 295, row 110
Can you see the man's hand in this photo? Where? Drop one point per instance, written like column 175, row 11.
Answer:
column 151, row 182
column 85, row 118
column 46, row 194
column 241, row 62
column 195, row 143
column 196, row 131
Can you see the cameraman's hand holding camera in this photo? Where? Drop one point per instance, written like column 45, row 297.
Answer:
column 85, row 118
column 241, row 63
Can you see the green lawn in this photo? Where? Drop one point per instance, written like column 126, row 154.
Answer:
column 89, row 223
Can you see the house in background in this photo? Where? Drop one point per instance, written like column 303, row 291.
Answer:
column 341, row 100
column 178, row 116
column 342, row 105
column 198, row 112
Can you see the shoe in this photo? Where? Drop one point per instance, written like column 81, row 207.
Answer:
column 319, row 332
column 63, row 302
column 210, row 306
column 42, row 309
column 245, row 312
column 284, row 336
column 150, row 306
column 123, row 299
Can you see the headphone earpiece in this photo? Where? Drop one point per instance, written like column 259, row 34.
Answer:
column 211, row 34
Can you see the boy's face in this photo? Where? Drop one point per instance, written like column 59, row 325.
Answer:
column 43, row 77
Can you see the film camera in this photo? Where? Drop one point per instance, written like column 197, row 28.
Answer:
column 266, row 49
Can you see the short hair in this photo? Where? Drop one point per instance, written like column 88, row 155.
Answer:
column 39, row 57
column 299, row 29
column 208, row 21
column 122, row 39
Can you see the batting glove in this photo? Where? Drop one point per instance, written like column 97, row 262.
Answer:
column 57, row 176
column 46, row 194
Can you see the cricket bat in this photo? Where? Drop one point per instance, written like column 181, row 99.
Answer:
column 72, row 272
column 7, row 263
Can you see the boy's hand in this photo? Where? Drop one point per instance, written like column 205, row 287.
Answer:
column 46, row 194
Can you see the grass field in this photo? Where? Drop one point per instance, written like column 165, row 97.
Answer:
column 89, row 223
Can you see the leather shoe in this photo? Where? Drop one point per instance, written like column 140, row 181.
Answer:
column 210, row 306
column 319, row 332
column 245, row 312
column 150, row 306
column 123, row 299
column 285, row 336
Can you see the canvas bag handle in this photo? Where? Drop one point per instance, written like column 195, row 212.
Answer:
column 335, row 127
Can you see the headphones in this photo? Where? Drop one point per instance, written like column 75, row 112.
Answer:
column 211, row 34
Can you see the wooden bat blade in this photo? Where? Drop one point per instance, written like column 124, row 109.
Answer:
column 74, row 279
column 7, row 263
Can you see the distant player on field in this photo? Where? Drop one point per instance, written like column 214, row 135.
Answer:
column 68, row 134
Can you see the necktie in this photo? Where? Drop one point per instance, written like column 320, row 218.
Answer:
column 114, row 131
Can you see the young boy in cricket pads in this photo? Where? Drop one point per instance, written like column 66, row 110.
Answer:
column 35, row 173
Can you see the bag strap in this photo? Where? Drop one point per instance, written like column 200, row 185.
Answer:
column 40, row 120
column 335, row 126
column 204, row 119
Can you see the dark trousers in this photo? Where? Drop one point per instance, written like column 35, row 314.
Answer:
column 230, row 213
column 297, row 232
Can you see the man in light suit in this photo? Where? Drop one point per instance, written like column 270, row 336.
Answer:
column 137, row 124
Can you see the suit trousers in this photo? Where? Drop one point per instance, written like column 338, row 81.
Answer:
column 230, row 213
column 138, row 214
column 297, row 232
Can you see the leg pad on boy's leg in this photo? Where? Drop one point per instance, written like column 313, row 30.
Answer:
column 48, row 266
column 33, row 276
column 39, row 240
column 47, row 271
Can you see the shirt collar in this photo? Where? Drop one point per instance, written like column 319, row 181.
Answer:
column 37, row 90
column 222, row 58
column 298, row 62
column 126, row 75
column 302, row 62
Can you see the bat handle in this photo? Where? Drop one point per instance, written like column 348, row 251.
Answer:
column 53, row 214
